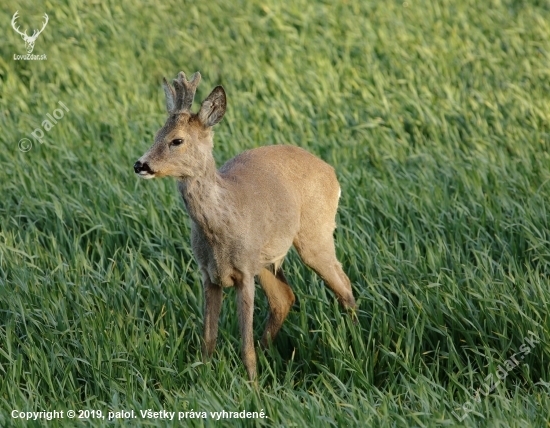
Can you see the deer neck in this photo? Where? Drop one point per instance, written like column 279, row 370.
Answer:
column 206, row 199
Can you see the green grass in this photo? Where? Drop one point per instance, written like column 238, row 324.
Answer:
column 436, row 116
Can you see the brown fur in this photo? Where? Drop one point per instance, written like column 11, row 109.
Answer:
column 246, row 216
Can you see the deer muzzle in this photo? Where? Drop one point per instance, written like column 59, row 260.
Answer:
column 143, row 170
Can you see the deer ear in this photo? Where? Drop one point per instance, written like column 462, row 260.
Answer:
column 170, row 95
column 213, row 107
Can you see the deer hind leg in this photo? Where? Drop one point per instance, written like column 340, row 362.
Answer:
column 319, row 254
column 280, row 298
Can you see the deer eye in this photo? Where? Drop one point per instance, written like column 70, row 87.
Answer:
column 176, row 142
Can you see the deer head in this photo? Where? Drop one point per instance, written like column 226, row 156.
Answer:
column 29, row 40
column 183, row 146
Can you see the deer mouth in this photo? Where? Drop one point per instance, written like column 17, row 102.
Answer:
column 146, row 175
column 143, row 170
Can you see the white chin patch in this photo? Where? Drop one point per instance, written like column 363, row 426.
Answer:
column 144, row 174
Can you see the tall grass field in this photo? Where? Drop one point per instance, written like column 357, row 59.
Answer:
column 436, row 118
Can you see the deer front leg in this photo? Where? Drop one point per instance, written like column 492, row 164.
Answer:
column 245, row 306
column 212, row 307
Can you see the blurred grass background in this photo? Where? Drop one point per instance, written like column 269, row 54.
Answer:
column 435, row 115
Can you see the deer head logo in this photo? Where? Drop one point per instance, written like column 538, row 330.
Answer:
column 29, row 40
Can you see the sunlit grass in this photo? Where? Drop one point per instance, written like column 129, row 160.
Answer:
column 436, row 118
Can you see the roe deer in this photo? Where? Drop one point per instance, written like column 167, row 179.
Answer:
column 246, row 216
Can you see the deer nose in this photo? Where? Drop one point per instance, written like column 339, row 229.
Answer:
column 139, row 167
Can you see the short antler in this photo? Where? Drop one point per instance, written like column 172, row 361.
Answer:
column 180, row 97
column 185, row 91
column 170, row 95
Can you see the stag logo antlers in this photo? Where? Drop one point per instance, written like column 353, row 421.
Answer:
column 29, row 40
